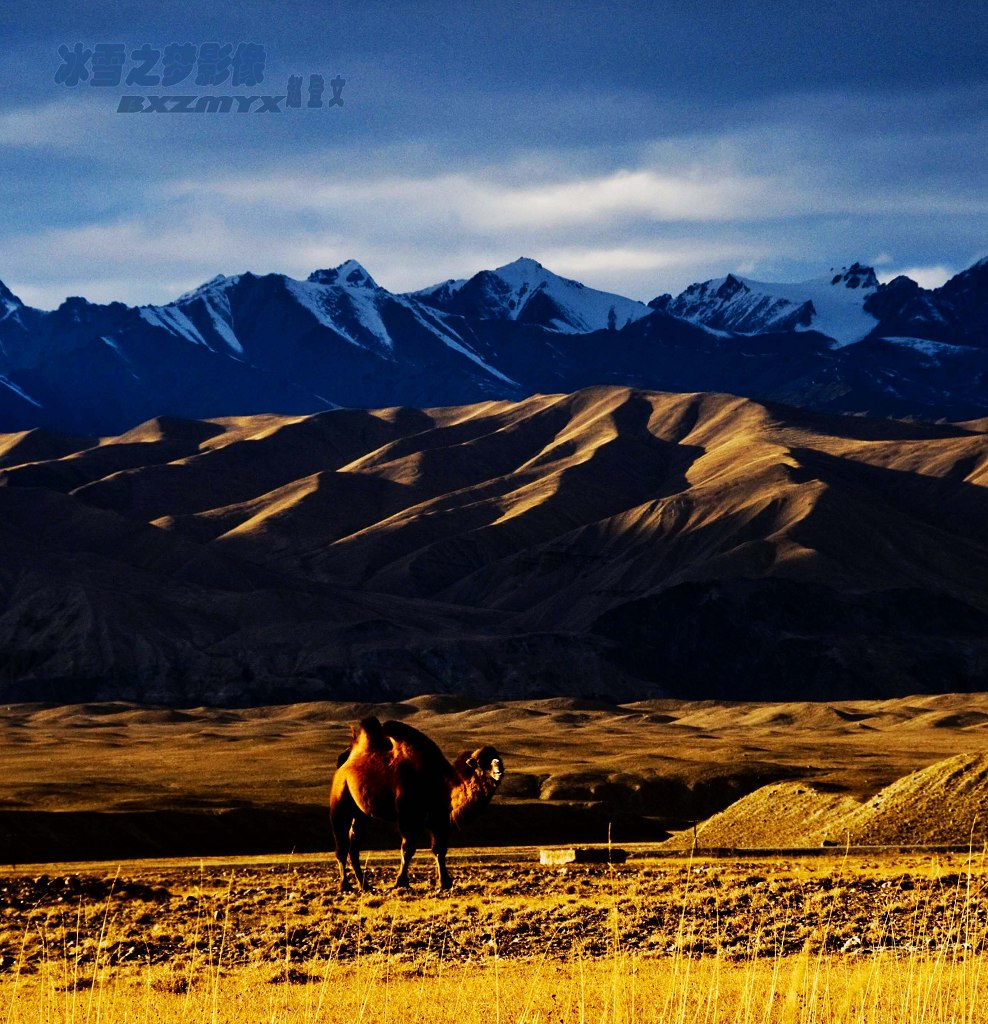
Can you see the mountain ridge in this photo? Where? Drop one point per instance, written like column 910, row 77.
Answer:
column 250, row 344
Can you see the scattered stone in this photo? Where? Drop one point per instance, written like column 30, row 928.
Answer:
column 583, row 855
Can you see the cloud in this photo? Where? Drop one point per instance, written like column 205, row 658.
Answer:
column 771, row 160
column 926, row 277
column 488, row 201
column 59, row 124
column 776, row 188
column 620, row 230
column 149, row 258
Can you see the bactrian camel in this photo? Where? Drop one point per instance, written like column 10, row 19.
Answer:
column 395, row 773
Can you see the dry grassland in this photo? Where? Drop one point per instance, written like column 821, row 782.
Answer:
column 840, row 938
column 864, row 938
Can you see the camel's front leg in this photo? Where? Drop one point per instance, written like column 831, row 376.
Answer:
column 407, row 852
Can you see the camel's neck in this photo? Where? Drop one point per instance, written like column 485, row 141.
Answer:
column 470, row 795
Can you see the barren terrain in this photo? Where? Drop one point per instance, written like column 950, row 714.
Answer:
column 836, row 938
column 610, row 544
column 289, row 911
column 829, row 935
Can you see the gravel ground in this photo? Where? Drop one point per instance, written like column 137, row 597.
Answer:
column 280, row 915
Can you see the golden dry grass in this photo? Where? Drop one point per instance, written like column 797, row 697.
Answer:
column 794, row 991
column 841, row 939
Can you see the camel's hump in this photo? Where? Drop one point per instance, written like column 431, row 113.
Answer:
column 411, row 737
column 372, row 735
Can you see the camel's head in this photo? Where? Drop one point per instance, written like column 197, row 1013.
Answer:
column 484, row 762
column 480, row 773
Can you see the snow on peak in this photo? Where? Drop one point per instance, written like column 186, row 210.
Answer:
column 348, row 302
column 218, row 283
column 349, row 274
column 525, row 290
column 8, row 301
column 351, row 309
column 524, row 273
column 174, row 320
column 832, row 304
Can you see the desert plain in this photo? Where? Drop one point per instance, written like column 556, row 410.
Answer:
column 753, row 919
column 573, row 766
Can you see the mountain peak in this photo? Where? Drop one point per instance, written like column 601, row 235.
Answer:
column 731, row 286
column 856, row 276
column 213, row 284
column 8, row 299
column 525, row 270
column 525, row 291
column 833, row 304
column 526, row 275
column 522, row 263
column 349, row 274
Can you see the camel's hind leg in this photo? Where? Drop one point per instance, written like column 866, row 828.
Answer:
column 440, row 844
column 356, row 841
column 342, row 814
column 408, row 827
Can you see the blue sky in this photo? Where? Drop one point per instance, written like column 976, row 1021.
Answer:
column 636, row 147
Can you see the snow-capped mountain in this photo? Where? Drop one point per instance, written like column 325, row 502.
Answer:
column 248, row 343
column 834, row 305
column 238, row 344
column 524, row 291
column 345, row 301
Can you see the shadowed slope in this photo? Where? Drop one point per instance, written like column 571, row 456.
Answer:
column 611, row 543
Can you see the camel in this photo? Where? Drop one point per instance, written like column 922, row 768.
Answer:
column 395, row 773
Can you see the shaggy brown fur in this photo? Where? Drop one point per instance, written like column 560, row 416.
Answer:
column 396, row 773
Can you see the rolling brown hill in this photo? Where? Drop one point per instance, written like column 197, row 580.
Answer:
column 612, row 543
column 941, row 804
